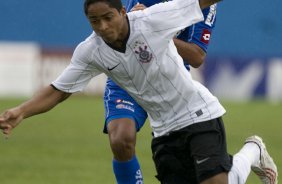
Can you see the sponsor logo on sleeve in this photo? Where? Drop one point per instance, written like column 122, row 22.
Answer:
column 206, row 35
column 211, row 16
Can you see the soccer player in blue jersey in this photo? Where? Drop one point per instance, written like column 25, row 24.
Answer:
column 124, row 117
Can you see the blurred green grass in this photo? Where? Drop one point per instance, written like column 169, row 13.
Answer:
column 67, row 146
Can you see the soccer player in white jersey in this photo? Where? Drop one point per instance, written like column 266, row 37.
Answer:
column 136, row 51
column 124, row 117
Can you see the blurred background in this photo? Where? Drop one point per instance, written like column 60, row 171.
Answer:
column 243, row 69
column 244, row 57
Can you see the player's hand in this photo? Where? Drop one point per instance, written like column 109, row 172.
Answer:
column 9, row 120
column 138, row 7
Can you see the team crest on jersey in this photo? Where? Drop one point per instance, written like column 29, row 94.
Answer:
column 142, row 52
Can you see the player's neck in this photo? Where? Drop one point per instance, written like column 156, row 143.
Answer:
column 120, row 43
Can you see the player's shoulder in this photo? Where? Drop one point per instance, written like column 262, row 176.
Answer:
column 85, row 48
column 135, row 21
column 92, row 42
column 135, row 15
column 210, row 10
column 210, row 15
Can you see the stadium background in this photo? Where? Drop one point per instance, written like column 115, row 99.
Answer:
column 244, row 57
column 243, row 68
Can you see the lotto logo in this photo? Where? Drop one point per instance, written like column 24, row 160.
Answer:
column 206, row 35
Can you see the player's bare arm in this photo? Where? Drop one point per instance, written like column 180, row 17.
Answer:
column 41, row 102
column 190, row 52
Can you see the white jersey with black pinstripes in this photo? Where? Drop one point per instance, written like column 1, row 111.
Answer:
column 149, row 69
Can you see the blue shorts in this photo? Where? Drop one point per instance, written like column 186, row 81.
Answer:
column 118, row 104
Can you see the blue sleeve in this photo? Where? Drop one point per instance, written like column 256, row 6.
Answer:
column 200, row 33
column 130, row 4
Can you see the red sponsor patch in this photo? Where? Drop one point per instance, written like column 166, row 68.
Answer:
column 206, row 35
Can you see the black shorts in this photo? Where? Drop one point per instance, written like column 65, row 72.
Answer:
column 192, row 154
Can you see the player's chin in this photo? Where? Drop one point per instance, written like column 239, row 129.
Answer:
column 109, row 38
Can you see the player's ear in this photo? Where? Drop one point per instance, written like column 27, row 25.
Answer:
column 123, row 11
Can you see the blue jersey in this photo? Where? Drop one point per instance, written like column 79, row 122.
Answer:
column 199, row 33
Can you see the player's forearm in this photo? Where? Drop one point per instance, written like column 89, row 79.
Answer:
column 43, row 101
column 207, row 3
column 190, row 52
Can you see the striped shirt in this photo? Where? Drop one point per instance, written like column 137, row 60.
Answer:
column 150, row 69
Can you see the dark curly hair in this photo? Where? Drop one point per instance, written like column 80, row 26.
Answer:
column 117, row 4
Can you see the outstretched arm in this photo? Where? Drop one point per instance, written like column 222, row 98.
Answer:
column 41, row 102
column 207, row 3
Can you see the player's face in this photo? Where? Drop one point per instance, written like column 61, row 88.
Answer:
column 107, row 22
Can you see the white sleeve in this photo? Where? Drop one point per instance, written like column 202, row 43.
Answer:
column 78, row 74
column 170, row 17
